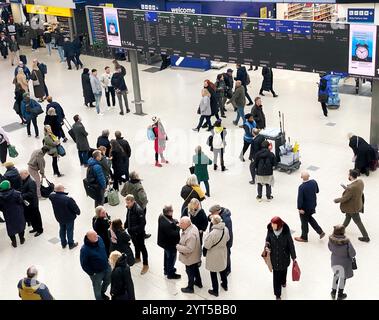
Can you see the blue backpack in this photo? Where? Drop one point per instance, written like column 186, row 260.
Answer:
column 150, row 134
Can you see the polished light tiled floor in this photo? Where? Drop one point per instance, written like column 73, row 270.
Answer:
column 173, row 95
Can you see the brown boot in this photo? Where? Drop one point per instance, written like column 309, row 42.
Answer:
column 145, row 268
column 137, row 260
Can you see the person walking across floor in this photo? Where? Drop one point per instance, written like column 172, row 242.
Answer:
column 65, row 211
column 60, row 115
column 18, row 96
column 4, row 143
column 201, row 162
column 342, row 257
column 238, row 100
column 306, row 204
column 211, row 87
column 118, row 82
column 218, row 144
column 51, row 141
column 94, row 262
column 47, row 39
column 28, row 109
column 279, row 245
column 256, row 145
column 14, row 50
column 258, row 114
column 244, row 77
column 4, row 45
column 97, row 91
column 267, row 83
column 106, row 82
column 11, row 204
column 168, row 238
column 69, row 53
column 43, row 68
column 323, row 95
column 88, row 95
column 81, row 140
column 36, row 167
column 60, row 42
column 122, row 287
column 30, row 288
column 51, row 119
column 38, row 82
column 204, row 110
column 30, row 202
column 351, row 203
column 135, row 224
column 220, row 93
column 215, row 250
column 77, row 44
column 248, row 125
column 265, row 161
column 159, row 141
column 96, row 178
column 189, row 249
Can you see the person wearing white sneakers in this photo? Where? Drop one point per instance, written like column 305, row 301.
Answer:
column 97, row 90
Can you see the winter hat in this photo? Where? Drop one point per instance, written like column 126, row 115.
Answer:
column 339, row 230
column 215, row 208
column 5, row 185
column 279, row 222
column 8, row 164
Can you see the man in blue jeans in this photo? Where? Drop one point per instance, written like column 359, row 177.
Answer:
column 238, row 100
column 65, row 211
column 94, row 261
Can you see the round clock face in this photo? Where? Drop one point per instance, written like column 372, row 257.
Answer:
column 361, row 52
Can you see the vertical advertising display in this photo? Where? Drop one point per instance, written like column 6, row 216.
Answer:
column 362, row 50
column 112, row 27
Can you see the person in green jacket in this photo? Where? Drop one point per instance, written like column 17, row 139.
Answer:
column 202, row 162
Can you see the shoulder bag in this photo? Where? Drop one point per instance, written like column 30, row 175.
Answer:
column 353, row 260
column 205, row 250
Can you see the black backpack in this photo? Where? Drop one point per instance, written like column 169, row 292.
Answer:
column 90, row 185
column 43, row 68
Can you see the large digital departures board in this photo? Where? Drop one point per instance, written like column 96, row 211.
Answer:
column 284, row 44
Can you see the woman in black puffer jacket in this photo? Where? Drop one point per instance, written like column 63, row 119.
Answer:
column 122, row 287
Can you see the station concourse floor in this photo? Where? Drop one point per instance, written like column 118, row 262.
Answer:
column 173, row 96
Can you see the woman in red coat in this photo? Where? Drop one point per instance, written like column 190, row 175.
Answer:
column 159, row 141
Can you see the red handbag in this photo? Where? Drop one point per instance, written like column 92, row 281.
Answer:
column 295, row 271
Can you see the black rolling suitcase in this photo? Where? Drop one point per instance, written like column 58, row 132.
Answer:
column 69, row 128
column 23, row 59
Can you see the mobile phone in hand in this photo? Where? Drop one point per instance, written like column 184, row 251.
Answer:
column 343, row 186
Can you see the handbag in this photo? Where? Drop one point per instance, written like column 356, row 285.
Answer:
column 12, row 151
column 295, row 271
column 353, row 260
column 192, row 169
column 205, row 250
column 36, row 81
column 46, row 191
column 61, row 151
column 267, row 259
column 113, row 198
column 36, row 110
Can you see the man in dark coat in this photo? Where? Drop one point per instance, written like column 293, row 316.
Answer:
column 65, row 212
column 280, row 245
column 81, row 140
column 77, row 43
column 229, row 82
column 244, row 78
column 258, row 114
column 60, row 114
column 69, row 53
column 256, row 145
column 31, row 208
column 267, row 83
column 12, row 175
column 13, row 210
column 103, row 140
column 225, row 215
column 168, row 238
column 135, row 224
column 94, row 262
column 363, row 153
column 96, row 177
column 127, row 152
column 88, row 95
column 118, row 82
column 306, row 204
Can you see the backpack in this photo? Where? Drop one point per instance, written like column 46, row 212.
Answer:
column 247, row 79
column 43, row 68
column 150, row 133
column 266, row 165
column 89, row 183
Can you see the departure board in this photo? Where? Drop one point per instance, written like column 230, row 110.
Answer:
column 96, row 25
column 284, row 44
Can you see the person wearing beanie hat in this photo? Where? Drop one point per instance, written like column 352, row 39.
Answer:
column 342, row 254
column 280, row 246
column 11, row 204
column 159, row 141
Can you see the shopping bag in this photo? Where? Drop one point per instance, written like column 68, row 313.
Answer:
column 267, row 259
column 295, row 271
column 61, row 150
column 12, row 151
column 192, row 169
column 113, row 198
column 46, row 191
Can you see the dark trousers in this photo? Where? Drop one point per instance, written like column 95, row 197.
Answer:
column 34, row 121
column 324, row 109
column 69, row 59
column 169, row 262
column 357, row 220
column 305, row 219
column 35, row 45
column 224, row 280
column 45, row 86
column 229, row 263
column 63, row 135
column 139, row 246
column 100, row 282
column 253, row 171
column 77, row 59
column 110, row 93
column 207, row 121
column 3, row 152
column 99, row 201
column 83, row 157
column 280, row 278
column 66, row 233
column 193, row 275
column 207, row 189
column 117, row 180
column 271, row 90
column 34, row 216
column 260, row 189
column 55, row 166
column 245, row 147
column 21, row 236
column 248, row 96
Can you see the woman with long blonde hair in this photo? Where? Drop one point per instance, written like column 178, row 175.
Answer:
column 122, row 287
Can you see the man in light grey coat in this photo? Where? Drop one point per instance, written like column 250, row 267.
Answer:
column 96, row 89
column 81, row 140
column 217, row 253
column 189, row 249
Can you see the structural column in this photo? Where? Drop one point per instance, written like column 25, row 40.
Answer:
column 374, row 126
column 133, row 58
